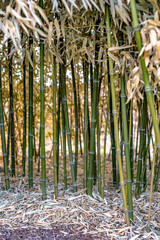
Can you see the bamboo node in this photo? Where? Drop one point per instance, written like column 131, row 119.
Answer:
column 137, row 28
column 42, row 88
column 139, row 159
column 126, row 143
column 142, row 129
column 129, row 181
column 138, row 182
column 68, row 133
column 123, row 95
column 30, row 134
column 118, row 151
column 43, row 180
column 1, row 124
column 93, row 121
column 122, row 184
column 71, row 163
column 5, row 155
column 30, row 159
column 114, row 112
column 43, row 157
column 108, row 29
column 92, row 153
column 90, row 178
column 149, row 89
column 42, row 126
column 111, row 73
column 7, row 178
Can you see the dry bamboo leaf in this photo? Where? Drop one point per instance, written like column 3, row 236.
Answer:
column 154, row 22
column 120, row 48
column 57, row 28
column 50, row 33
column 100, row 54
column 41, row 12
column 123, row 15
column 114, row 58
column 153, row 37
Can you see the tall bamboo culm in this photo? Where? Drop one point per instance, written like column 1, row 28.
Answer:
column 30, row 117
column 85, row 155
column 65, row 106
column 11, row 109
column 24, row 118
column 92, row 152
column 42, row 117
column 3, row 139
column 126, row 147
column 148, row 88
column 114, row 111
column 76, row 116
column 55, row 127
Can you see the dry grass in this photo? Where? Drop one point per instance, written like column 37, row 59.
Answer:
column 23, row 208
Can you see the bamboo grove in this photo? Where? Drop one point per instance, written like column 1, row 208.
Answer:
column 85, row 76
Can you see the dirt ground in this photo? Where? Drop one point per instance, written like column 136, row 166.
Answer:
column 65, row 232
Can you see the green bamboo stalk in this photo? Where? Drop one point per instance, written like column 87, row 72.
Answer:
column 30, row 118
column 105, row 141
column 55, row 127
column 64, row 102
column 141, row 149
column 113, row 147
column 39, row 151
column 11, row 110
column 8, row 136
column 148, row 88
column 92, row 153
column 79, row 118
column 58, row 125
column 64, row 148
column 85, row 158
column 126, row 147
column 131, row 137
column 114, row 110
column 151, row 186
column 3, row 140
column 42, row 116
column 76, row 116
column 24, row 118
column 63, row 131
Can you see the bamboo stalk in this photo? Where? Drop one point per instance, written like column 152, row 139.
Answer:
column 42, row 117
column 24, row 118
column 11, row 110
column 76, row 117
column 92, row 153
column 30, row 118
column 55, row 127
column 114, row 110
column 3, row 140
column 85, row 158
column 105, row 141
column 126, row 147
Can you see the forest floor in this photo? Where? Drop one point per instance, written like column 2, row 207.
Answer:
column 23, row 214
